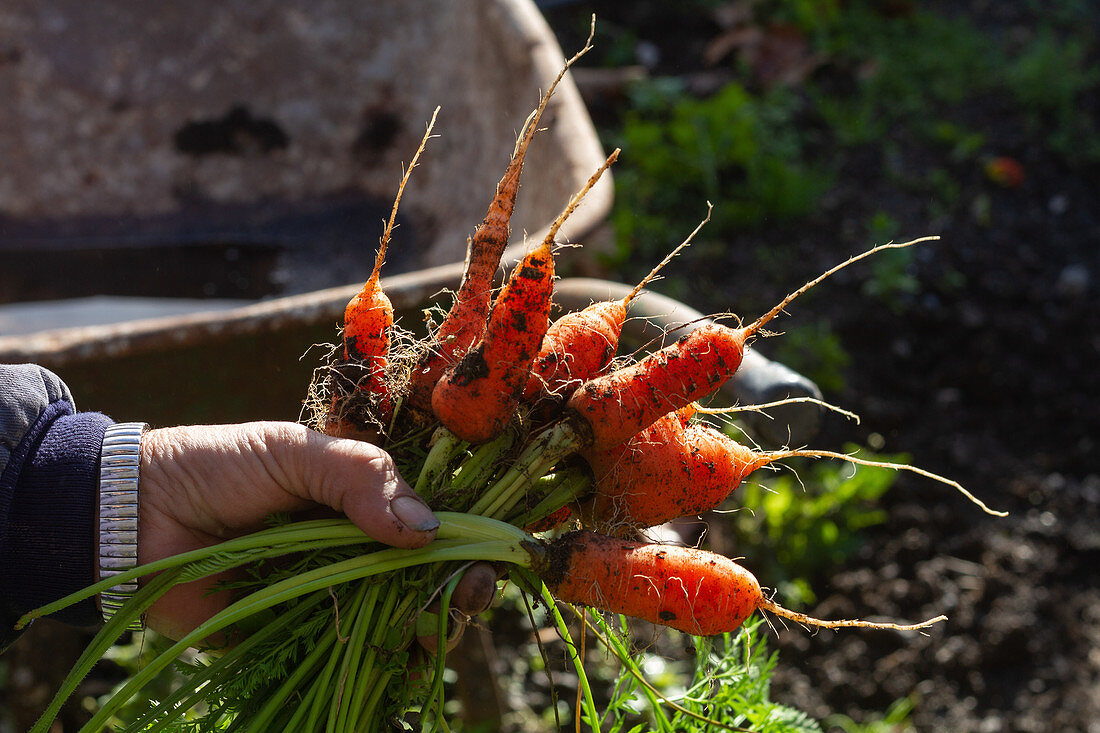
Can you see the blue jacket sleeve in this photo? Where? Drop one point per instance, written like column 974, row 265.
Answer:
column 49, row 477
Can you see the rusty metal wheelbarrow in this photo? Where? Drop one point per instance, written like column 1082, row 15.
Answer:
column 235, row 112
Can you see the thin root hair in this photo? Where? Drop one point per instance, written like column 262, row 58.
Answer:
column 807, row 453
column 668, row 258
column 762, row 320
column 778, row 403
column 766, row 604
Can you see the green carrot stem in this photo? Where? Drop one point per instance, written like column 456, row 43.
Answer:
column 296, row 537
column 352, row 647
column 382, row 617
column 302, row 710
column 571, row 649
column 181, row 700
column 445, row 447
column 102, row 641
column 370, row 716
column 323, row 684
column 536, row 460
column 361, row 637
column 570, row 485
column 379, row 640
column 275, row 702
column 476, row 469
column 613, row 642
column 342, row 572
column 276, row 541
column 436, row 692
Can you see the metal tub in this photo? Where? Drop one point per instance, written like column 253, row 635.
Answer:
column 101, row 99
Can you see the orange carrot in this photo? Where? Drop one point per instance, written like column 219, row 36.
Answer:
column 664, row 472
column 612, row 408
column 580, row 345
column 477, row 397
column 691, row 590
column 667, row 471
column 368, row 320
column 465, row 323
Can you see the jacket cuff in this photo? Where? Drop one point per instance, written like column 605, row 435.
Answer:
column 49, row 548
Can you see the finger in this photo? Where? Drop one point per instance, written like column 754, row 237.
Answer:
column 361, row 480
column 475, row 592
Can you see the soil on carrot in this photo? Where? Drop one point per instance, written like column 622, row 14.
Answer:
column 976, row 355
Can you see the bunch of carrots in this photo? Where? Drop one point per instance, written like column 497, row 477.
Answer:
column 538, row 449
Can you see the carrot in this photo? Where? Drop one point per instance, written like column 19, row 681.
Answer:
column 612, row 408
column 668, row 471
column 465, row 323
column 368, row 319
column 691, row 590
column 664, row 472
column 580, row 345
column 477, row 397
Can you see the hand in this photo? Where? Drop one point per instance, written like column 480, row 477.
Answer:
column 201, row 485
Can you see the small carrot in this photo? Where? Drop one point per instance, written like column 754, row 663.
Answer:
column 612, row 408
column 691, row 590
column 465, row 323
column 477, row 397
column 368, row 318
column 580, row 345
column 667, row 472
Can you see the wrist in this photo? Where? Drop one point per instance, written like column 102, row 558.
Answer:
column 120, row 460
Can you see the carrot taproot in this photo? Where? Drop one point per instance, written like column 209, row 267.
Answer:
column 368, row 321
column 368, row 316
column 465, row 323
column 611, row 408
column 580, row 345
column 667, row 471
column 477, row 397
column 693, row 591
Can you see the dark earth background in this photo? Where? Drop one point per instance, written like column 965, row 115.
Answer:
column 977, row 355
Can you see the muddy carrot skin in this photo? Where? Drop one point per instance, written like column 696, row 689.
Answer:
column 478, row 396
column 465, row 323
column 691, row 590
column 613, row 408
column 368, row 320
column 581, row 345
column 667, row 471
column 578, row 347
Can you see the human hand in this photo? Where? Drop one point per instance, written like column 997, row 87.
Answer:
column 201, row 485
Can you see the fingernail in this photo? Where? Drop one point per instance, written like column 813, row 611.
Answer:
column 414, row 513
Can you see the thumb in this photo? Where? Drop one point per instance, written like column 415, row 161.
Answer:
column 362, row 481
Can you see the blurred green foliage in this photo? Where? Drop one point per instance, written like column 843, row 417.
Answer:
column 895, row 720
column 736, row 149
column 766, row 155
